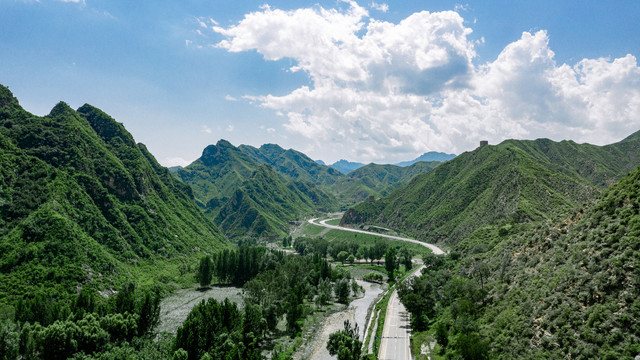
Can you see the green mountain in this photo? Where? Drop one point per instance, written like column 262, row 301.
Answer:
column 81, row 204
column 264, row 204
column 218, row 172
column 574, row 287
column 292, row 164
column 568, row 288
column 516, row 181
column 377, row 180
column 247, row 198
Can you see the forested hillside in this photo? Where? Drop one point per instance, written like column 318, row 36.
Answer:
column 292, row 164
column 248, row 198
column 217, row 173
column 569, row 288
column 81, row 204
column 516, row 181
column 263, row 205
column 377, row 180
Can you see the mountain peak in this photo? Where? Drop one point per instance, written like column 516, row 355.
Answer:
column 61, row 108
column 345, row 166
column 429, row 156
column 224, row 143
column 104, row 125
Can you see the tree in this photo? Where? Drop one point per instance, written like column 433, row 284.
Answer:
column 481, row 272
column 8, row 340
column 345, row 343
column 390, row 263
column 294, row 309
column 342, row 291
column 442, row 334
column 324, row 292
column 287, row 241
column 149, row 312
column 405, row 255
column 204, row 273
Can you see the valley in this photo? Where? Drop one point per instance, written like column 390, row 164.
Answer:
column 263, row 253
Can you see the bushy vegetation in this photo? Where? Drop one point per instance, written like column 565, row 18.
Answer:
column 341, row 249
column 521, row 181
column 276, row 285
column 246, row 197
column 345, row 343
column 87, row 324
column 566, row 288
column 83, row 205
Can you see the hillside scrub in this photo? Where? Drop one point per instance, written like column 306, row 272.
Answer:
column 83, row 205
column 515, row 181
column 558, row 289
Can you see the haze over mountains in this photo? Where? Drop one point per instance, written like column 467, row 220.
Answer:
column 346, row 167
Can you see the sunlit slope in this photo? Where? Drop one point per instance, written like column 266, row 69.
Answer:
column 247, row 198
column 514, row 181
column 81, row 202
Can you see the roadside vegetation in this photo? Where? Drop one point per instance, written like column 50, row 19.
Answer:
column 540, row 290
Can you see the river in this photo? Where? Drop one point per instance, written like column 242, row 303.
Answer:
column 356, row 312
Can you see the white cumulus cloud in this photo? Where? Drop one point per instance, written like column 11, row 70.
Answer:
column 382, row 90
column 380, row 7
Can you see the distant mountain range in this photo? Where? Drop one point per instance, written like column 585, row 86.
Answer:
column 429, row 156
column 346, row 167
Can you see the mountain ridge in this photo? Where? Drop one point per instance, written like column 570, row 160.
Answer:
column 82, row 204
column 518, row 179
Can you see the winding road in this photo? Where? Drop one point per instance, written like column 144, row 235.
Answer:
column 436, row 250
column 396, row 333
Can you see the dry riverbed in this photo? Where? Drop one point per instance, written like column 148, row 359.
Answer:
column 356, row 312
column 175, row 308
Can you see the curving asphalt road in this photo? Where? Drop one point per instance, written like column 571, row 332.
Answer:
column 436, row 250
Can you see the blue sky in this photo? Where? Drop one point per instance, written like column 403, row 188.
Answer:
column 364, row 81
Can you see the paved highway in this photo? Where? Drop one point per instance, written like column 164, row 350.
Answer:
column 396, row 332
column 436, row 250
